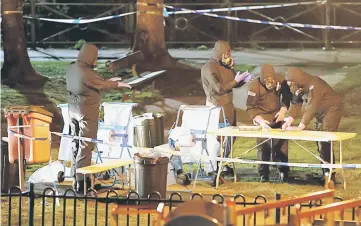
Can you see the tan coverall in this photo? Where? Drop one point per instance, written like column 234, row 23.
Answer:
column 322, row 102
column 218, row 81
column 84, row 86
column 267, row 103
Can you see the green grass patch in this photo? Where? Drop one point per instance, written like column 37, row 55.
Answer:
column 244, row 67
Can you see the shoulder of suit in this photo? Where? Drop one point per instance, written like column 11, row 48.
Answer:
column 253, row 85
column 207, row 66
column 280, row 78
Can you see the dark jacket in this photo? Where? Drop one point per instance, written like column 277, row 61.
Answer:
column 84, row 84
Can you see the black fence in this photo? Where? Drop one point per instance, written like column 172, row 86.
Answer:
column 192, row 30
column 49, row 208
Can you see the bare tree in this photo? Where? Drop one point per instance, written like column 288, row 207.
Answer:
column 149, row 38
column 17, row 68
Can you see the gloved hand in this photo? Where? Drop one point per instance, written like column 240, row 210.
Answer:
column 115, row 79
column 298, row 128
column 239, row 77
column 263, row 123
column 280, row 116
column 123, row 85
column 288, row 122
column 301, row 126
column 248, row 78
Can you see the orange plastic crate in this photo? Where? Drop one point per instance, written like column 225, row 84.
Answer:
column 36, row 123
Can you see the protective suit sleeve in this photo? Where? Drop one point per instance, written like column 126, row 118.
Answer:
column 95, row 81
column 314, row 97
column 294, row 109
column 213, row 79
column 252, row 100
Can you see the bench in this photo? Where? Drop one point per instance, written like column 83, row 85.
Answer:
column 101, row 167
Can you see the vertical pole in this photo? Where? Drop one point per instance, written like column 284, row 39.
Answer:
column 229, row 22
column 278, row 211
column 327, row 41
column 21, row 160
column 31, row 204
column 235, row 31
column 33, row 21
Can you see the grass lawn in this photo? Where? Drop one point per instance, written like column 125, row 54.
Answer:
column 349, row 87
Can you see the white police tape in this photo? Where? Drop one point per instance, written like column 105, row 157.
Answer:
column 247, row 161
column 28, row 126
column 82, row 21
column 92, row 140
column 313, row 26
column 240, row 8
column 166, row 14
column 25, row 136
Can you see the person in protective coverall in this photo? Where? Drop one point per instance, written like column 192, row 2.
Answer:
column 267, row 103
column 218, row 79
column 322, row 102
column 84, row 86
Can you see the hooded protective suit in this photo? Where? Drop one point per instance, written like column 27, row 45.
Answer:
column 322, row 102
column 218, row 81
column 84, row 86
column 267, row 103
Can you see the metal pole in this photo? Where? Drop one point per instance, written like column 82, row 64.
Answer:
column 278, row 211
column 328, row 22
column 33, row 21
column 31, row 204
column 229, row 22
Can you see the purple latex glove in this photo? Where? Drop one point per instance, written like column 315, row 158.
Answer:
column 248, row 78
column 240, row 77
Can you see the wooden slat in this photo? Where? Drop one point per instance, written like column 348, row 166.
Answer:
column 97, row 168
column 287, row 202
column 338, row 206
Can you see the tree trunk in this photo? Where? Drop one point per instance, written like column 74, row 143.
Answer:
column 149, row 38
column 17, row 68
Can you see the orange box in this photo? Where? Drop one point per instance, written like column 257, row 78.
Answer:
column 33, row 121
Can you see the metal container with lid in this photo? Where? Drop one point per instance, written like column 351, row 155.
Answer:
column 158, row 137
column 142, row 133
column 151, row 175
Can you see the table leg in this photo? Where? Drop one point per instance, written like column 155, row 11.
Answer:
column 220, row 164
column 342, row 170
column 130, row 177
column 234, row 165
column 92, row 180
column 330, row 173
column 84, row 184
